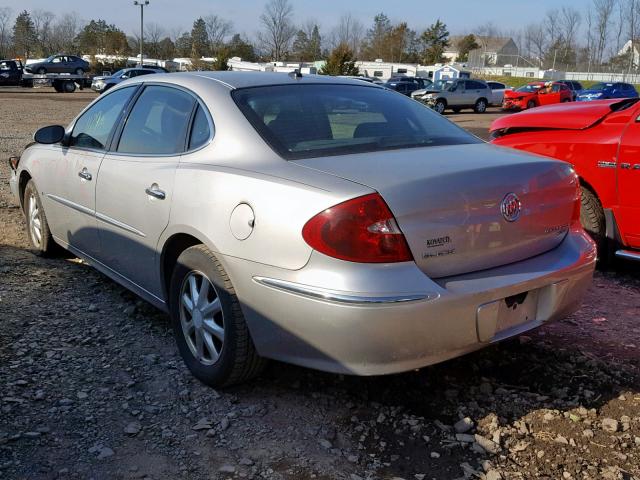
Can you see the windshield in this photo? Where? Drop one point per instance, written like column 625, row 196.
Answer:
column 303, row 121
column 441, row 84
column 118, row 73
column 534, row 87
column 602, row 86
column 49, row 59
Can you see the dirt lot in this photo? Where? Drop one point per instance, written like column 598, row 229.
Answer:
column 91, row 385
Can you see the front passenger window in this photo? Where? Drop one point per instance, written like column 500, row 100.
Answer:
column 93, row 128
column 158, row 122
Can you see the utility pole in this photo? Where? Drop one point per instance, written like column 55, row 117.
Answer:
column 142, row 4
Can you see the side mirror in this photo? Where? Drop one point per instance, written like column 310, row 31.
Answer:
column 49, row 135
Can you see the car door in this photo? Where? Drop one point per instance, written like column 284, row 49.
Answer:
column 628, row 183
column 135, row 183
column 549, row 97
column 456, row 97
column 69, row 189
column 56, row 65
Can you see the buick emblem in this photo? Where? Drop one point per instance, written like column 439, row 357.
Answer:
column 511, row 207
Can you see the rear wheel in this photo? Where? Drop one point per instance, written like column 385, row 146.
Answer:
column 69, row 87
column 481, row 106
column 440, row 106
column 37, row 226
column 593, row 221
column 531, row 104
column 208, row 324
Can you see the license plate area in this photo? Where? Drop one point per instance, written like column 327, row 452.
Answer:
column 517, row 309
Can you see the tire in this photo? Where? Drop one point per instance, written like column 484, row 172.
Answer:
column 41, row 71
column 565, row 100
column 225, row 354
column 480, row 106
column 440, row 106
column 37, row 227
column 56, row 87
column 79, row 71
column 69, row 87
column 531, row 104
column 593, row 221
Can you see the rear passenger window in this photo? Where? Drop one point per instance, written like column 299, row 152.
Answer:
column 200, row 131
column 158, row 122
column 93, row 128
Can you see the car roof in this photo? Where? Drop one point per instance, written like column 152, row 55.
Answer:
column 235, row 80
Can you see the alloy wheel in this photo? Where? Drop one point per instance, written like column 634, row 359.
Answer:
column 35, row 221
column 201, row 318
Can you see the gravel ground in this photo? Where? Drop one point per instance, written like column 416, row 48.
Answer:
column 91, row 385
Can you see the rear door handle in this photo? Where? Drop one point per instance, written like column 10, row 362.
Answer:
column 84, row 173
column 155, row 192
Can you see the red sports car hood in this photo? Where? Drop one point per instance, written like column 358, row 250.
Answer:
column 567, row 116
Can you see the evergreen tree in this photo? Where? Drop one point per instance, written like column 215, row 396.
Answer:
column 183, row 45
column 99, row 37
column 301, row 46
column 24, row 35
column 340, row 62
column 434, row 40
column 166, row 49
column 315, row 44
column 465, row 45
column 199, row 39
column 238, row 47
column 377, row 36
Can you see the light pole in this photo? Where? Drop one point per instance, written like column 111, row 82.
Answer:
column 142, row 5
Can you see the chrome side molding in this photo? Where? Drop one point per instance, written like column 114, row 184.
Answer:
column 628, row 255
column 340, row 297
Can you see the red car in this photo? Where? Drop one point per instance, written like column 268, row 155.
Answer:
column 536, row 94
column 601, row 139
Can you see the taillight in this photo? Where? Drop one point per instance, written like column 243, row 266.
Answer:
column 359, row 230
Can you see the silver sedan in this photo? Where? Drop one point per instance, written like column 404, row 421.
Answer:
column 320, row 221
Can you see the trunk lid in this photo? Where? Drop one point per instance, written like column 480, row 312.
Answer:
column 447, row 202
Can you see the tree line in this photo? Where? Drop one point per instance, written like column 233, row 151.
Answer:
column 563, row 37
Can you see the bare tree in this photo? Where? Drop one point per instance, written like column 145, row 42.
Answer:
column 603, row 16
column 154, row 33
column 278, row 29
column 350, row 31
column 64, row 32
column 536, row 40
column 5, row 31
column 42, row 22
column 218, row 29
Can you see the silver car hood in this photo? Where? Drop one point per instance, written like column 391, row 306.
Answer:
column 447, row 201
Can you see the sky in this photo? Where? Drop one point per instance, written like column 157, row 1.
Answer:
column 459, row 15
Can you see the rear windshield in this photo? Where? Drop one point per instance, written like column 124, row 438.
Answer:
column 303, row 121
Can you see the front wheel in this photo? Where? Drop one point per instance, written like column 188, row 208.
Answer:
column 208, row 324
column 481, row 106
column 440, row 106
column 37, row 225
column 531, row 104
column 593, row 221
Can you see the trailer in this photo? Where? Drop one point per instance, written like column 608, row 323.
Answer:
column 61, row 82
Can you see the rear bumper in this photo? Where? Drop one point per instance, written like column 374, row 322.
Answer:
column 395, row 318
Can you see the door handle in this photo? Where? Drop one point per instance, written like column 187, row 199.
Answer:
column 155, row 192
column 84, row 173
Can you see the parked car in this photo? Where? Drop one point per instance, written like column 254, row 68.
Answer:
column 419, row 81
column 157, row 68
column 103, row 83
column 289, row 231
column 60, row 64
column 458, row 94
column 601, row 141
column 575, row 87
column 436, row 86
column 605, row 90
column 10, row 72
column 406, row 88
column 535, row 94
column 497, row 92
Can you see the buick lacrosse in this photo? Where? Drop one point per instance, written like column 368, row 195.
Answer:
column 320, row 221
